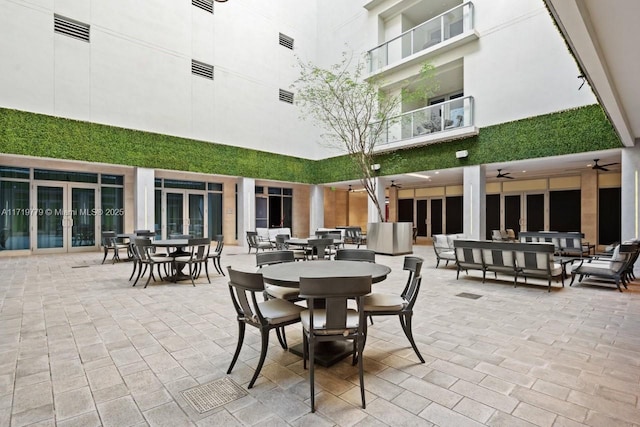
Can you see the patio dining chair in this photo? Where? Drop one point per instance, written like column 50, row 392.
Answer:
column 147, row 258
column 319, row 248
column 282, row 245
column 365, row 255
column 264, row 315
column 215, row 254
column 110, row 243
column 275, row 291
column 198, row 255
column 334, row 322
column 380, row 304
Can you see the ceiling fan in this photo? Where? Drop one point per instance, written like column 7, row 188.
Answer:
column 504, row 175
column 603, row 168
column 394, row 185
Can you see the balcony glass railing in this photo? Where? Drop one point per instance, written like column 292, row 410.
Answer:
column 442, row 117
column 426, row 35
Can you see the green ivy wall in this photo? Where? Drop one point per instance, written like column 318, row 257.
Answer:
column 572, row 131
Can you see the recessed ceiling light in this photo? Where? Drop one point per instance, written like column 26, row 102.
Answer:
column 524, row 171
column 437, row 172
column 417, row 175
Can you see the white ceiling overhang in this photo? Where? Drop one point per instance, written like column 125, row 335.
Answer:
column 603, row 37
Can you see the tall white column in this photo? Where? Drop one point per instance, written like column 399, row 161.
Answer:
column 246, row 208
column 630, row 205
column 144, row 199
column 474, row 202
column 372, row 211
column 316, row 211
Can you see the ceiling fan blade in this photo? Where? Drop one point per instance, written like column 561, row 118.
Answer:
column 509, row 177
column 609, row 164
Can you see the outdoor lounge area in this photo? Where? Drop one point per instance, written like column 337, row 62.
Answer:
column 80, row 346
column 319, row 213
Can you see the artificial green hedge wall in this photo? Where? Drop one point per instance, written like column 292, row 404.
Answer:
column 46, row 136
column 573, row 131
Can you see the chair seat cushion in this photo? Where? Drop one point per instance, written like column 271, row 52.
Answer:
column 282, row 292
column 319, row 322
column 447, row 255
column 279, row 311
column 183, row 258
column 599, row 269
column 214, row 254
column 596, row 266
column 383, row 302
column 155, row 258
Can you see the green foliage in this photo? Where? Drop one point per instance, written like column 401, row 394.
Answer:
column 567, row 132
column 45, row 136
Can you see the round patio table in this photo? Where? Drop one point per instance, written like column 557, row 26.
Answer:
column 288, row 274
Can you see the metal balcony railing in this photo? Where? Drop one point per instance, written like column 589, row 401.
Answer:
column 437, row 30
column 441, row 117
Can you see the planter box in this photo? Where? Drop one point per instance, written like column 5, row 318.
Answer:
column 390, row 238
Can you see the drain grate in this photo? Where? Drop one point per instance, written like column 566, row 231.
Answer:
column 79, row 266
column 208, row 396
column 468, row 295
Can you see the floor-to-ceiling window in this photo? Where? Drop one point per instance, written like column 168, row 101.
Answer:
column 215, row 209
column 14, row 208
column 112, row 203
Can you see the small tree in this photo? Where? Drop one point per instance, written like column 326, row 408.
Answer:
column 354, row 111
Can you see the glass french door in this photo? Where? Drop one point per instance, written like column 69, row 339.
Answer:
column 64, row 217
column 429, row 216
column 524, row 212
column 184, row 213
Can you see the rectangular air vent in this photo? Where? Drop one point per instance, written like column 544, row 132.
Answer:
column 286, row 41
column 201, row 69
column 71, row 28
column 286, row 96
column 206, row 5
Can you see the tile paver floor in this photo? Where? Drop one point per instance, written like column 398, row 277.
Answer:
column 81, row 347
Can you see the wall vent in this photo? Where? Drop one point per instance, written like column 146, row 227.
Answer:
column 286, row 96
column 206, row 5
column 71, row 28
column 286, row 41
column 201, row 69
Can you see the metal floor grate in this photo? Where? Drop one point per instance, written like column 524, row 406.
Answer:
column 468, row 295
column 211, row 395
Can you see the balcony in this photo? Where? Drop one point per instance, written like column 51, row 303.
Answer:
column 447, row 120
column 448, row 29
